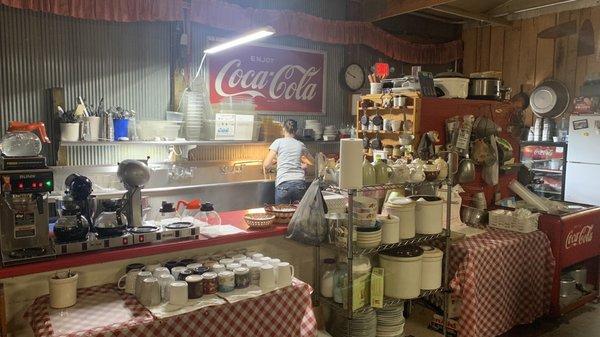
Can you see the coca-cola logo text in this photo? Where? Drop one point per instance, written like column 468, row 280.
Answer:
column 280, row 83
column 543, row 152
column 577, row 238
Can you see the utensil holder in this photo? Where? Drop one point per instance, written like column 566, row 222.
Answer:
column 94, row 127
column 121, row 127
column 63, row 291
column 69, row 132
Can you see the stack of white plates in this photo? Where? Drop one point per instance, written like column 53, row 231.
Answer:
column 362, row 325
column 330, row 133
column 316, row 126
column 390, row 321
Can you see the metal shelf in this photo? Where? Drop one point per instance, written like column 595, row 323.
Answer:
column 557, row 172
column 420, row 238
column 385, row 187
column 180, row 142
column 387, row 302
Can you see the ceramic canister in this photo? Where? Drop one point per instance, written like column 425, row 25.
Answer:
column 242, row 277
column 431, row 268
column 226, row 281
column 210, row 283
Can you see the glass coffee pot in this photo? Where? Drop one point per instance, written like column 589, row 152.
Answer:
column 21, row 141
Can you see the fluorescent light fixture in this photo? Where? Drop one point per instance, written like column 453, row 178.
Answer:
column 248, row 37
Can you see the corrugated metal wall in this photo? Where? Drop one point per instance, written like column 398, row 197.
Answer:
column 127, row 63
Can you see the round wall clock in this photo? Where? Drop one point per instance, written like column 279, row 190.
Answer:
column 353, row 76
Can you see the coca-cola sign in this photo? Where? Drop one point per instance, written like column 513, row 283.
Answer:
column 278, row 79
column 578, row 237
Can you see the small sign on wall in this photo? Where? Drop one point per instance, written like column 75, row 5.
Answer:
column 278, row 79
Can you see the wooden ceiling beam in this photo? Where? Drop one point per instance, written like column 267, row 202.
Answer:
column 471, row 15
column 516, row 10
column 383, row 9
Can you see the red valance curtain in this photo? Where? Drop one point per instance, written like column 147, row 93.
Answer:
column 223, row 15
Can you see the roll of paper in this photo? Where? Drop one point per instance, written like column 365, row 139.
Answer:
column 351, row 155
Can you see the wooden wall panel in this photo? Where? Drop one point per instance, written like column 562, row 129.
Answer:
column 526, row 60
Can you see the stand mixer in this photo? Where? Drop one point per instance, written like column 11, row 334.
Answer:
column 133, row 174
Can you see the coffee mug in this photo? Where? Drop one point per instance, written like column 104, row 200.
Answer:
column 396, row 125
column 176, row 270
column 161, row 271
column 178, row 293
column 141, row 275
column 285, row 272
column 264, row 260
column 149, row 292
column 164, row 280
column 152, row 267
column 275, row 263
column 136, row 266
column 257, row 256
column 195, row 288
column 267, row 280
column 193, row 266
column 226, row 261
column 127, row 281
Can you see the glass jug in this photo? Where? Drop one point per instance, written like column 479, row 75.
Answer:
column 189, row 209
column 21, row 141
column 167, row 214
column 209, row 215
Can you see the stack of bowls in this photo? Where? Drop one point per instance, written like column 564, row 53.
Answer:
column 316, row 126
column 368, row 237
column 330, row 133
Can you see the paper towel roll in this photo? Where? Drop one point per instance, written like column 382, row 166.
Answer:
column 351, row 155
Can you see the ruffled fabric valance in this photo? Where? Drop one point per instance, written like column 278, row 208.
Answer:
column 227, row 16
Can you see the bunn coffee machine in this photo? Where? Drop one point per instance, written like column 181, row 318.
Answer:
column 24, row 215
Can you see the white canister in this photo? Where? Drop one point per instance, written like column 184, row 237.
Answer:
column 428, row 214
column 390, row 228
column 402, row 272
column 376, row 88
column 63, row 290
column 404, row 209
column 431, row 270
column 69, row 132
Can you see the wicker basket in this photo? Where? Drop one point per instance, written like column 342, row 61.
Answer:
column 259, row 220
column 283, row 213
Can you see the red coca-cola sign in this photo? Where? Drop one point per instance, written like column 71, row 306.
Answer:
column 278, row 79
column 579, row 236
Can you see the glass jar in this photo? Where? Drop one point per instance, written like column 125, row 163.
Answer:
column 166, row 214
column 340, row 282
column 209, row 215
column 327, row 276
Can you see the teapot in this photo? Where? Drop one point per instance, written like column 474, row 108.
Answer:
column 401, row 172
column 417, row 174
column 21, row 141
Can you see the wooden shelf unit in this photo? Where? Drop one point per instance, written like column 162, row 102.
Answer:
column 412, row 110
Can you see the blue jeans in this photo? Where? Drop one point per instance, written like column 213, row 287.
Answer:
column 289, row 192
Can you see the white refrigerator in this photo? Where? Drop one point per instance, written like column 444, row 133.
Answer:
column 582, row 184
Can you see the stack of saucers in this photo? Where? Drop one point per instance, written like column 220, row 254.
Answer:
column 330, row 133
column 390, row 321
column 362, row 325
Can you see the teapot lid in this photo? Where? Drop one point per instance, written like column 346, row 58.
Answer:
column 167, row 207
column 207, row 207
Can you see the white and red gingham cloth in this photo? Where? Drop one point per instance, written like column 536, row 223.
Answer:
column 284, row 312
column 503, row 278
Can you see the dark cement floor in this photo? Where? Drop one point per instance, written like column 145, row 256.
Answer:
column 583, row 322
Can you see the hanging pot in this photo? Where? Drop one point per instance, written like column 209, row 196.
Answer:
column 550, row 99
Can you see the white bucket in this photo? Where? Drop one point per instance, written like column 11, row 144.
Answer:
column 402, row 276
column 63, row 291
column 69, row 132
column 406, row 216
column 428, row 214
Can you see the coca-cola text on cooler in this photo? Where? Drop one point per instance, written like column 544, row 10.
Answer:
column 280, row 83
column 583, row 236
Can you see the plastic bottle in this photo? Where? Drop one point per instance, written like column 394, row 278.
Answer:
column 327, row 278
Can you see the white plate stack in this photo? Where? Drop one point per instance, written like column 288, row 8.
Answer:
column 316, row 126
column 390, row 321
column 362, row 325
column 330, row 133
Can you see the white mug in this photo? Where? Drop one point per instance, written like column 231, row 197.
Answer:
column 176, row 270
column 396, row 125
column 149, row 295
column 139, row 279
column 178, row 293
column 267, row 277
column 275, row 264
column 257, row 257
column 161, row 271
column 286, row 273
column 264, row 260
column 164, row 280
column 129, row 284
column 152, row 267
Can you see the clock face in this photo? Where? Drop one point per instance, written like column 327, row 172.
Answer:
column 354, row 77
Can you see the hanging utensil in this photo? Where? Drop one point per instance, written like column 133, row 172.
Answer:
column 585, row 43
column 550, row 99
column 558, row 31
column 466, row 171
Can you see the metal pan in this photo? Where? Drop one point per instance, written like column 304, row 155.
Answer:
column 550, row 99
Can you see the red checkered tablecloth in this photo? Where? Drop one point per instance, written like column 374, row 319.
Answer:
column 503, row 278
column 284, row 312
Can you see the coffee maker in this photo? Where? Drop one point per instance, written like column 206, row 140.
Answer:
column 24, row 215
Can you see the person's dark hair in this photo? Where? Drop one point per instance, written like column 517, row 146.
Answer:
column 290, row 126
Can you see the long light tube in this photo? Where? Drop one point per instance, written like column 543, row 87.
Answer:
column 248, row 37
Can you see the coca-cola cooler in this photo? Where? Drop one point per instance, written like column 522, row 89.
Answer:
column 546, row 160
column 575, row 243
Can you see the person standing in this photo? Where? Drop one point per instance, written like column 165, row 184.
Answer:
column 291, row 157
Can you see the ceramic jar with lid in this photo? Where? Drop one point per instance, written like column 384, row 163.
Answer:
column 428, row 214
column 402, row 272
column 404, row 209
column 431, row 270
column 390, row 228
